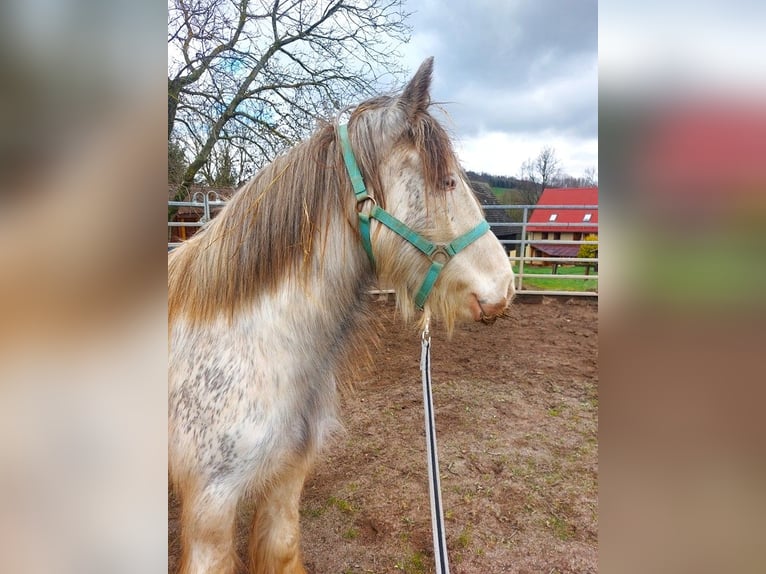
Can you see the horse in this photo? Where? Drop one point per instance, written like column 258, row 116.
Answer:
column 269, row 303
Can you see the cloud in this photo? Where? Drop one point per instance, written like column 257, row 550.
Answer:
column 502, row 153
column 564, row 103
column 513, row 74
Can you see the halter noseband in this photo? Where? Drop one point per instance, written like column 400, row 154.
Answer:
column 438, row 253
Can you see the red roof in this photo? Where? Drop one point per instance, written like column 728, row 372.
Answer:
column 563, row 250
column 576, row 219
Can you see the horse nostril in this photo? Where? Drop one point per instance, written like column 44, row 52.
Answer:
column 491, row 311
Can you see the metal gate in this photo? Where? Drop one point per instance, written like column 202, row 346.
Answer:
column 200, row 200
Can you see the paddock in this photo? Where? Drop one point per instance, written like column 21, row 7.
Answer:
column 516, row 413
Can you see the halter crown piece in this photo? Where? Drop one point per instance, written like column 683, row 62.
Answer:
column 438, row 253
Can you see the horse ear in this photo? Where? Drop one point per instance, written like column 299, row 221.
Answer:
column 416, row 95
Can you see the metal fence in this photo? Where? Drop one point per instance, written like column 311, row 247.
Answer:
column 526, row 265
column 525, row 262
column 200, row 200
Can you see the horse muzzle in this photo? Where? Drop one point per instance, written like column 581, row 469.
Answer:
column 488, row 312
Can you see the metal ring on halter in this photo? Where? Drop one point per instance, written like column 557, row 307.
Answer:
column 366, row 198
column 440, row 254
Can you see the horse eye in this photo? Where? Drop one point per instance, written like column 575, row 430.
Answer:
column 450, row 183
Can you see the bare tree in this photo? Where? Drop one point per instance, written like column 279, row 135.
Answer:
column 590, row 178
column 220, row 171
column 540, row 172
column 252, row 76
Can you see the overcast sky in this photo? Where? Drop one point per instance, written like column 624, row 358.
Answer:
column 516, row 75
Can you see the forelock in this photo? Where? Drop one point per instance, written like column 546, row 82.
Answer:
column 381, row 124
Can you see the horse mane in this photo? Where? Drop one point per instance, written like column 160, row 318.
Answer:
column 272, row 227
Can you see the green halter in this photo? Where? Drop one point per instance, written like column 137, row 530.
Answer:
column 438, row 253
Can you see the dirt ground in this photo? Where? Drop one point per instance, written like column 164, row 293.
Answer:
column 516, row 407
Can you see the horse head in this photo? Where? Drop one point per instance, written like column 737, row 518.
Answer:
column 427, row 236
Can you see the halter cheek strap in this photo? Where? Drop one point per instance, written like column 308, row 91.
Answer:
column 438, row 253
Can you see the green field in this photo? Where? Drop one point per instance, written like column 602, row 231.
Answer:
column 554, row 284
column 508, row 196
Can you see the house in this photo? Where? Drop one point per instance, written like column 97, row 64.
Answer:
column 193, row 214
column 552, row 221
column 494, row 217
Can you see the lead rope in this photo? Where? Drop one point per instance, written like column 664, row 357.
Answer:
column 434, row 485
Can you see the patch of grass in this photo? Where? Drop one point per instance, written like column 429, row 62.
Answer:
column 560, row 528
column 554, row 411
column 341, row 504
column 415, row 563
column 313, row 512
column 464, row 539
column 350, row 534
column 554, row 477
column 554, row 284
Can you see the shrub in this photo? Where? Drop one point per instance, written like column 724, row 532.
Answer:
column 589, row 250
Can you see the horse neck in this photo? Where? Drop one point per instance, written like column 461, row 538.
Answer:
column 322, row 313
column 333, row 282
